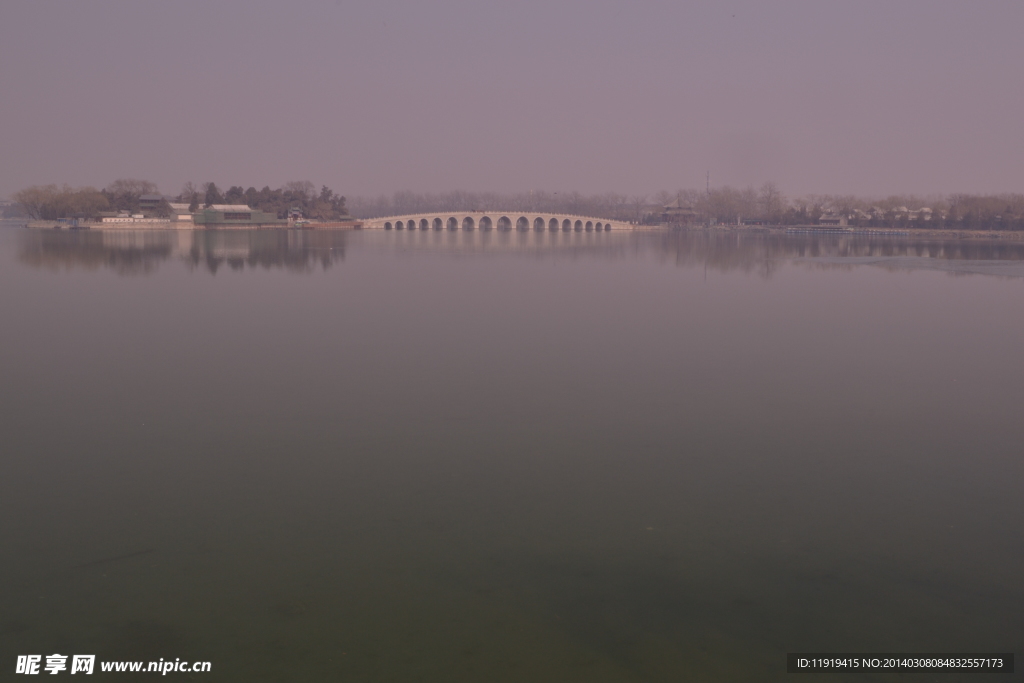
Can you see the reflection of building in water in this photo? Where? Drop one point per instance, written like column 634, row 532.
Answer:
column 141, row 251
column 298, row 250
column 125, row 252
column 176, row 242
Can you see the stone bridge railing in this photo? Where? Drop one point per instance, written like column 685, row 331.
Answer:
column 495, row 220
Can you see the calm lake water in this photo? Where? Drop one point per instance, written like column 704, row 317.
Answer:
column 311, row 456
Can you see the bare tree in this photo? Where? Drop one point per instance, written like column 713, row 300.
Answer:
column 34, row 199
column 190, row 194
column 638, row 203
column 301, row 187
column 664, row 197
column 188, row 191
column 124, row 187
column 771, row 202
column 747, row 205
column 51, row 202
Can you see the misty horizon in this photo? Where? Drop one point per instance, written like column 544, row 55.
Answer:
column 370, row 98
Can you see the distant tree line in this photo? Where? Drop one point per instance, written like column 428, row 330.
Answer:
column 13, row 209
column 610, row 205
column 50, row 202
column 725, row 205
column 297, row 195
column 124, row 196
column 769, row 206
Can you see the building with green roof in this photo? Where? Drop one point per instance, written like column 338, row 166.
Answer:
column 236, row 215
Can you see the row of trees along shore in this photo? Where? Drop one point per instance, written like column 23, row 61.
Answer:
column 300, row 194
column 726, row 205
column 50, row 202
column 770, row 207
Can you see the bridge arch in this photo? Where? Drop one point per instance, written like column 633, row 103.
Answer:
column 472, row 220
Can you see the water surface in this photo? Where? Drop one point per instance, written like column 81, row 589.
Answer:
column 508, row 456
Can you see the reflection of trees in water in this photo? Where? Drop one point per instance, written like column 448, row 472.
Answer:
column 140, row 252
column 300, row 251
column 762, row 252
column 294, row 250
column 720, row 251
column 59, row 249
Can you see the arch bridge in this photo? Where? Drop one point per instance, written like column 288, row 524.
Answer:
column 496, row 220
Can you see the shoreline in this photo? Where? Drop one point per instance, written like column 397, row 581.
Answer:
column 809, row 230
column 152, row 226
column 822, row 230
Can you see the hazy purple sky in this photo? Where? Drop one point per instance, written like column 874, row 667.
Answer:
column 371, row 97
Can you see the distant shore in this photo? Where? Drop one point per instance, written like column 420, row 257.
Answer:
column 822, row 230
column 150, row 224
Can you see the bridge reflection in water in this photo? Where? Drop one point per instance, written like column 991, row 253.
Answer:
column 302, row 251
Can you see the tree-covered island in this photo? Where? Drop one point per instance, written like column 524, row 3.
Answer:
column 131, row 197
